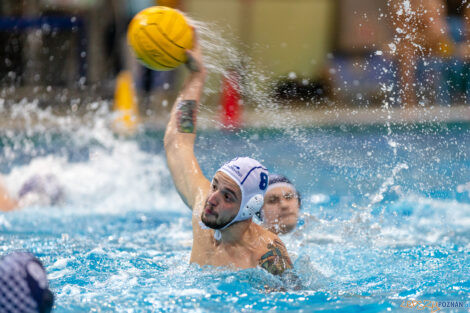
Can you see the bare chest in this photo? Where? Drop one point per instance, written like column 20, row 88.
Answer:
column 224, row 256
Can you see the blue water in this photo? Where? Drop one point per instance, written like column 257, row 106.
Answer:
column 385, row 218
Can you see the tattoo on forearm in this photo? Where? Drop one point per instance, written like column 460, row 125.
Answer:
column 276, row 260
column 186, row 116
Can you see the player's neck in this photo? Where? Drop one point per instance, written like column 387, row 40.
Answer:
column 235, row 233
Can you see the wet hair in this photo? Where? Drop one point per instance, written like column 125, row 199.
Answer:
column 23, row 285
column 276, row 178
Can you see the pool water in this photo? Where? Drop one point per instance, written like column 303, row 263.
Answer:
column 385, row 218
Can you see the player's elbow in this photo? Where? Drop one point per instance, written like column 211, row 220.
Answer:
column 178, row 142
column 169, row 141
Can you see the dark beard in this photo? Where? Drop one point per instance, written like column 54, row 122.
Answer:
column 215, row 224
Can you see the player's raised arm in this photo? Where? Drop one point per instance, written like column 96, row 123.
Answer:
column 181, row 133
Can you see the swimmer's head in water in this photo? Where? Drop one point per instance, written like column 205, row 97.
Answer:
column 23, row 285
column 41, row 190
column 281, row 206
column 236, row 194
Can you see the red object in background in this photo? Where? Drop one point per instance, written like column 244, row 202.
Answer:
column 231, row 111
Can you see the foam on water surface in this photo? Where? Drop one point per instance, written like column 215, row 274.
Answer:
column 122, row 240
column 385, row 215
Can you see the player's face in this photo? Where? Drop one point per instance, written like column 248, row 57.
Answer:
column 222, row 203
column 281, row 209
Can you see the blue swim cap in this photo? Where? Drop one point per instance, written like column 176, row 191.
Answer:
column 23, row 285
column 276, row 180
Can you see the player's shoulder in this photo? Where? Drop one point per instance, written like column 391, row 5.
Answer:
column 274, row 257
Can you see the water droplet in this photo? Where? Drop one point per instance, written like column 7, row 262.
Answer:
column 292, row 75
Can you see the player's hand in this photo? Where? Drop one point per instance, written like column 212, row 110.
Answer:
column 195, row 63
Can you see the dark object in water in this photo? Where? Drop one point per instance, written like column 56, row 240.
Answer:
column 23, row 285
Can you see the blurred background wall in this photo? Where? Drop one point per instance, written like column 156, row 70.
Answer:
column 284, row 36
column 312, row 49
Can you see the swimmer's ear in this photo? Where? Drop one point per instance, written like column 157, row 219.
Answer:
column 253, row 207
column 260, row 215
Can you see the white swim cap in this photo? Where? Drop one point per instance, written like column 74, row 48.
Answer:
column 252, row 178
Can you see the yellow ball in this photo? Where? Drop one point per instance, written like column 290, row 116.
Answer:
column 159, row 37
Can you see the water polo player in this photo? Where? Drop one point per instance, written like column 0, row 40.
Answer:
column 280, row 211
column 223, row 231
column 23, row 285
column 7, row 202
column 43, row 190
